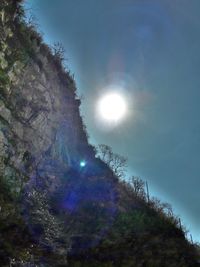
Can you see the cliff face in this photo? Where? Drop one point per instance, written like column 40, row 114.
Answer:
column 42, row 142
column 39, row 109
column 53, row 212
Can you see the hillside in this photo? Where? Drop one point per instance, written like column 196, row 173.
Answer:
column 53, row 211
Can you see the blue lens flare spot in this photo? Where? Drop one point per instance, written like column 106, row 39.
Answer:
column 82, row 163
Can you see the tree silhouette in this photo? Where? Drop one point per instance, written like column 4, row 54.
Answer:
column 115, row 161
column 138, row 185
column 58, row 51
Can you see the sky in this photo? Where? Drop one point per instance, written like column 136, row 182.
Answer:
column 149, row 51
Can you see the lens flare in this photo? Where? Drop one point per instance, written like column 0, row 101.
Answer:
column 82, row 164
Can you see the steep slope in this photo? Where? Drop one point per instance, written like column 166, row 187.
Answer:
column 53, row 211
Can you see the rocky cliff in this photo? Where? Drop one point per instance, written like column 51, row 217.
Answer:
column 55, row 212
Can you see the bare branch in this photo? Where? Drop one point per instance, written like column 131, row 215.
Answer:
column 115, row 161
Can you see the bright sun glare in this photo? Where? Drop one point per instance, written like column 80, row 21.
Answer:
column 112, row 107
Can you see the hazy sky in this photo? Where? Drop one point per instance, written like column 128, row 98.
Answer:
column 150, row 48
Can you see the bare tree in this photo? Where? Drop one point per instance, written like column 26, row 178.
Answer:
column 138, row 185
column 59, row 51
column 162, row 208
column 115, row 161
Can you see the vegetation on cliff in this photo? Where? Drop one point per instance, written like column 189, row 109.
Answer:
column 53, row 210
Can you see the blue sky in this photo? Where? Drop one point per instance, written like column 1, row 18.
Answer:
column 151, row 49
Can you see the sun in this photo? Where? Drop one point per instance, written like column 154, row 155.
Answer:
column 112, row 107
